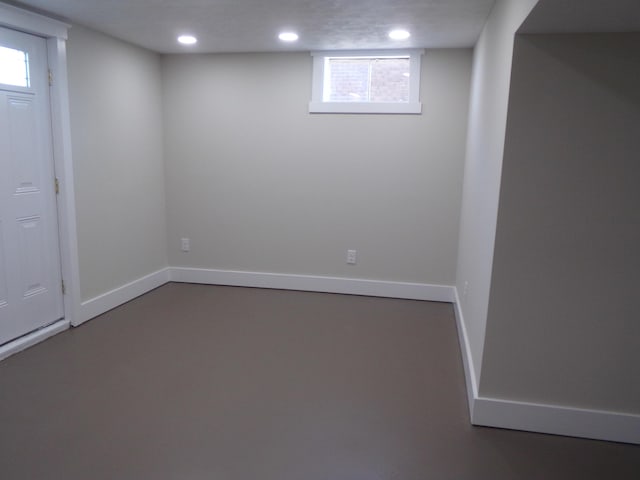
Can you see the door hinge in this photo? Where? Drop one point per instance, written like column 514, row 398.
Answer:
column 50, row 77
column 57, row 185
column 64, row 289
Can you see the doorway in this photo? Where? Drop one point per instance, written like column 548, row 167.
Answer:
column 31, row 294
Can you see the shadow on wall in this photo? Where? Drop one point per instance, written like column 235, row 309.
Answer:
column 600, row 61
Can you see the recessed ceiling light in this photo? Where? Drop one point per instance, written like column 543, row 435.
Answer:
column 399, row 34
column 187, row 39
column 288, row 36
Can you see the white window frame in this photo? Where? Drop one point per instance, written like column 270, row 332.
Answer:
column 413, row 106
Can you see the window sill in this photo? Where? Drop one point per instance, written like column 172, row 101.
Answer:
column 384, row 108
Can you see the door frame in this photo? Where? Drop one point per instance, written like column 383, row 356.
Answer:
column 55, row 34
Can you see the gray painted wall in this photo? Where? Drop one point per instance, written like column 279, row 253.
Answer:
column 563, row 324
column 116, row 126
column 483, row 164
column 259, row 184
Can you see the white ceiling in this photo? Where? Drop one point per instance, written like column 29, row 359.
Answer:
column 253, row 25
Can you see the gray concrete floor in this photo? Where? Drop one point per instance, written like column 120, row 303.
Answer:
column 195, row 382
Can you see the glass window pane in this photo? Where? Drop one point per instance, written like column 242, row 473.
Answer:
column 390, row 80
column 14, row 67
column 367, row 79
column 348, row 80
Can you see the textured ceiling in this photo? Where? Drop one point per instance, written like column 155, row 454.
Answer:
column 253, row 25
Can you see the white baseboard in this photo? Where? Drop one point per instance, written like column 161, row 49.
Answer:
column 557, row 420
column 109, row 300
column 484, row 411
column 467, row 360
column 32, row 338
column 350, row 286
column 541, row 418
column 416, row 291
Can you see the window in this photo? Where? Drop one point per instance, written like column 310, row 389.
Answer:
column 14, row 67
column 366, row 82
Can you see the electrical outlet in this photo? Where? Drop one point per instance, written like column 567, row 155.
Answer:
column 465, row 289
column 185, row 244
column 351, row 257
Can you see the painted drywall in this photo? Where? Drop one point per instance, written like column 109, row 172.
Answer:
column 259, row 184
column 583, row 16
column 483, row 163
column 563, row 325
column 116, row 127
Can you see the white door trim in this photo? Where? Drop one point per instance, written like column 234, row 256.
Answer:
column 55, row 33
column 29, row 22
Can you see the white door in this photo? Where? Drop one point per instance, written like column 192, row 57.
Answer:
column 30, row 278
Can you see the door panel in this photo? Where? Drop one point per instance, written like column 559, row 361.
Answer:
column 4, row 294
column 30, row 278
column 23, row 153
column 32, row 258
